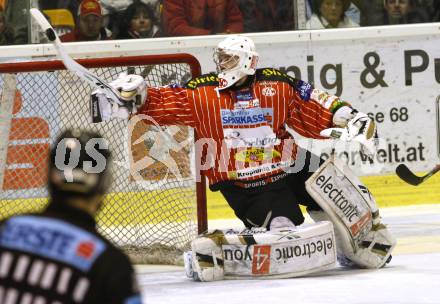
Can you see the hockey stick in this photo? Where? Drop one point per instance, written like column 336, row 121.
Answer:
column 406, row 175
column 71, row 64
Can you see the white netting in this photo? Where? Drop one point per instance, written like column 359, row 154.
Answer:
column 143, row 215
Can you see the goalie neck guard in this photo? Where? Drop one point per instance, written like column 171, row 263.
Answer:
column 78, row 167
column 235, row 58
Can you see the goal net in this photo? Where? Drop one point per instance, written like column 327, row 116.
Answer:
column 152, row 212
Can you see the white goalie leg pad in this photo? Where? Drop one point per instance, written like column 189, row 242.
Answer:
column 361, row 239
column 375, row 249
column 257, row 253
column 205, row 260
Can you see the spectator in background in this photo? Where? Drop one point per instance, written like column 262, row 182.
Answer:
column 121, row 5
column 430, row 8
column 89, row 25
column 6, row 32
column 267, row 16
column 330, row 14
column 64, row 239
column 373, row 12
column 113, row 11
column 436, row 12
column 355, row 11
column 139, row 21
column 201, row 17
column 403, row 12
column 16, row 14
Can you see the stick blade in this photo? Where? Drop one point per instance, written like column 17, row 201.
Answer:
column 44, row 24
column 406, row 175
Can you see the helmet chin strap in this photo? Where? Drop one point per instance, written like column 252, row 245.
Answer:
column 240, row 81
column 233, row 83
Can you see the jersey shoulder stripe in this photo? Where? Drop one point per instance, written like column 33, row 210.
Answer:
column 303, row 88
column 210, row 79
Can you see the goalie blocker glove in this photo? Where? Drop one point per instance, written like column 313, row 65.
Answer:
column 132, row 95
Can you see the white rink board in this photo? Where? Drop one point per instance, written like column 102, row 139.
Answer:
column 399, row 90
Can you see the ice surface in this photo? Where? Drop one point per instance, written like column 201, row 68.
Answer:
column 412, row 277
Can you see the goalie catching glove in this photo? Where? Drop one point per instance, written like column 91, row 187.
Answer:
column 131, row 91
column 354, row 126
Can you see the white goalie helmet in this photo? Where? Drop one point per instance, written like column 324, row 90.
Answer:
column 235, row 58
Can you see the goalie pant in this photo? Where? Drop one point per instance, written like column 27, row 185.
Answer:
column 59, row 257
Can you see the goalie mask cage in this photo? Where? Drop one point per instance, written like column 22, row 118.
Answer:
column 153, row 213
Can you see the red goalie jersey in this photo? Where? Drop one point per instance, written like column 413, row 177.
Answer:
column 245, row 125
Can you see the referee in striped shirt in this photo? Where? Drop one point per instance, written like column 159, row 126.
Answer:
column 58, row 256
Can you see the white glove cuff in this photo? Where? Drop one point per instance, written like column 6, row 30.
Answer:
column 343, row 115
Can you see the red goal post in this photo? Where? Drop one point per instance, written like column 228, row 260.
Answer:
column 159, row 210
